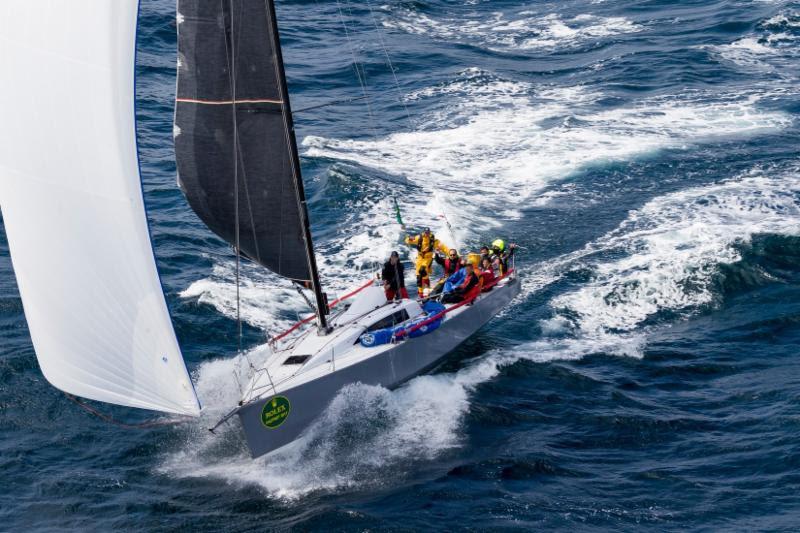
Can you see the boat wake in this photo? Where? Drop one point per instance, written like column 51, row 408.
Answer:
column 658, row 266
column 509, row 141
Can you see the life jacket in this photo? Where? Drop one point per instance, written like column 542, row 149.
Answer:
column 431, row 244
column 488, row 279
column 450, row 266
column 502, row 261
column 475, row 290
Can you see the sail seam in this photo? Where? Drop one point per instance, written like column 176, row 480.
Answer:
column 227, row 102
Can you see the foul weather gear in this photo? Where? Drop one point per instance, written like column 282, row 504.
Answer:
column 426, row 245
column 469, row 289
column 394, row 283
column 423, row 281
column 449, row 264
column 392, row 294
column 488, row 279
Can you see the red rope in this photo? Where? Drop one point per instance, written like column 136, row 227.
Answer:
column 108, row 418
column 440, row 314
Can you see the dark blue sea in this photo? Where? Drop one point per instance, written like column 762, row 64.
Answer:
column 645, row 155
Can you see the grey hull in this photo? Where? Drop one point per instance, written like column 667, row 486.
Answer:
column 389, row 369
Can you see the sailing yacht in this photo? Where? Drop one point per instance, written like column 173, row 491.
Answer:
column 75, row 218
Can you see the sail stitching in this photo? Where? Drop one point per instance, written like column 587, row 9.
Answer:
column 229, row 102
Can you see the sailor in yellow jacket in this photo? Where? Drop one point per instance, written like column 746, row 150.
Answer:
column 427, row 245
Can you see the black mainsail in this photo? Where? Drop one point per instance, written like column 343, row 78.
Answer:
column 232, row 99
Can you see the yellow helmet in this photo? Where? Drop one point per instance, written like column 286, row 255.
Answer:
column 499, row 244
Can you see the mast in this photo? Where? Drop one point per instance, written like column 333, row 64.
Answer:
column 316, row 285
column 230, row 64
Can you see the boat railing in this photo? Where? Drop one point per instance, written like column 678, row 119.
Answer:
column 273, row 341
column 403, row 333
column 276, row 338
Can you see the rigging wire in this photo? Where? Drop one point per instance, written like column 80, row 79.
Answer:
column 362, row 81
column 111, row 420
column 231, row 56
column 327, row 104
column 390, row 64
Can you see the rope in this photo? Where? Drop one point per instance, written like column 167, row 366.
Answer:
column 327, row 104
column 311, row 317
column 111, row 420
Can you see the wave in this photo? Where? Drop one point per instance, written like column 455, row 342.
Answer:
column 502, row 142
column 772, row 47
column 671, row 251
column 522, row 31
column 665, row 257
column 510, row 140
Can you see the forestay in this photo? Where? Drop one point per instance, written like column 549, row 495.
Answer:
column 231, row 98
column 72, row 204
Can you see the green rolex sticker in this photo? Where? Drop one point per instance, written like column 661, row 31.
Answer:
column 275, row 412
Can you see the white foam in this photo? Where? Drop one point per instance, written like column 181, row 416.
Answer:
column 770, row 49
column 525, row 30
column 266, row 300
column 491, row 147
column 667, row 253
column 673, row 247
column 498, row 141
column 508, row 145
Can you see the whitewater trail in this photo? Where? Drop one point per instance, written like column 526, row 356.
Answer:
column 511, row 142
column 668, row 253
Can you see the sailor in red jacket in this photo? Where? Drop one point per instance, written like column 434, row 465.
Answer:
column 487, row 273
column 451, row 263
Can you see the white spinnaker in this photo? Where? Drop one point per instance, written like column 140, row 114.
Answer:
column 72, row 204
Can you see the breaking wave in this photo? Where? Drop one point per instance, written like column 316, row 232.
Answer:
column 671, row 250
column 510, row 140
column 507, row 140
column 522, row 31
column 771, row 48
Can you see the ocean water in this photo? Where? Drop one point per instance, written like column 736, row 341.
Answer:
column 643, row 152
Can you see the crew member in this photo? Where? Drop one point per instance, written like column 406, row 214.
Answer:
column 451, row 263
column 485, row 254
column 467, row 290
column 423, row 282
column 427, row 244
column 487, row 273
column 393, row 276
column 502, row 254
